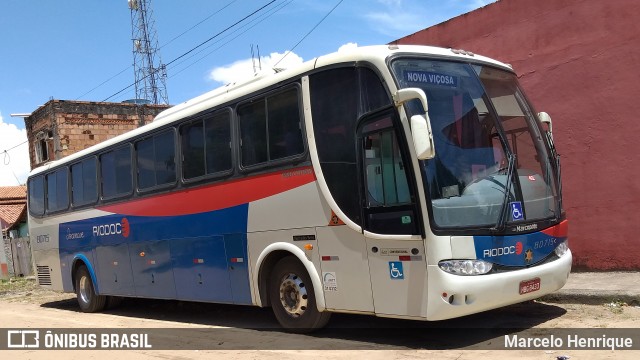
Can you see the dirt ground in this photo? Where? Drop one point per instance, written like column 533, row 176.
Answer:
column 241, row 332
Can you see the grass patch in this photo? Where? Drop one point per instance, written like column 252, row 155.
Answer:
column 17, row 285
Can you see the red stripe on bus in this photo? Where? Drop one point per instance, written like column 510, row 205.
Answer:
column 215, row 196
column 559, row 231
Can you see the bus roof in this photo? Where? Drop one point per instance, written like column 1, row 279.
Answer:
column 374, row 54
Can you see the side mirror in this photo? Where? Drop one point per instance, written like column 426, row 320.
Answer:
column 546, row 119
column 420, row 124
column 422, row 137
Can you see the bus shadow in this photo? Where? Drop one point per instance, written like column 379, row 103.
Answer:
column 352, row 331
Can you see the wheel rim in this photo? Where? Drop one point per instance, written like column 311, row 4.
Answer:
column 293, row 295
column 84, row 289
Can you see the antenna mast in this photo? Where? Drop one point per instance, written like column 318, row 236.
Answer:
column 150, row 72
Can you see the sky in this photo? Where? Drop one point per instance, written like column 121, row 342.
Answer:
column 82, row 50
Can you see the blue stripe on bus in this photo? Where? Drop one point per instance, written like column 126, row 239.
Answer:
column 516, row 250
column 185, row 257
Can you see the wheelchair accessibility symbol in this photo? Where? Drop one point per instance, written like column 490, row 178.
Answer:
column 395, row 270
column 516, row 211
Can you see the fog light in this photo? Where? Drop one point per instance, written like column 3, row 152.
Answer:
column 562, row 248
column 465, row 267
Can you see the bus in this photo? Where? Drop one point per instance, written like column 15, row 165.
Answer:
column 409, row 182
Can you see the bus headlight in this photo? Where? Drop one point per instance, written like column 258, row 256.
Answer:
column 465, row 267
column 562, row 248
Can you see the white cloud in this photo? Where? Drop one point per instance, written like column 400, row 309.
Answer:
column 347, row 47
column 243, row 69
column 15, row 162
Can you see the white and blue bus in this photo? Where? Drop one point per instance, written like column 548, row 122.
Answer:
column 398, row 181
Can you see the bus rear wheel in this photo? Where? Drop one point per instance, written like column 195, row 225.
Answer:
column 88, row 300
column 293, row 298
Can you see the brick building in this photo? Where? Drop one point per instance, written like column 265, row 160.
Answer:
column 61, row 127
column 576, row 60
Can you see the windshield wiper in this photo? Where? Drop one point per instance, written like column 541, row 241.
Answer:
column 556, row 160
column 502, row 217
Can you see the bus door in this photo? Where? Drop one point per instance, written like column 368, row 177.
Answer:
column 392, row 223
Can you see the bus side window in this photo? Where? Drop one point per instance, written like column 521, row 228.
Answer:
column 388, row 206
column 218, row 142
column 84, row 188
column 36, row 195
column 156, row 160
column 270, row 128
column 57, row 190
column 115, row 167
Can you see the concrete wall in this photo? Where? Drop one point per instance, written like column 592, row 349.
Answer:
column 578, row 60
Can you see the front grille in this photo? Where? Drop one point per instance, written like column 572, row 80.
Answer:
column 44, row 275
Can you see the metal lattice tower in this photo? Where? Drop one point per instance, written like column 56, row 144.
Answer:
column 150, row 73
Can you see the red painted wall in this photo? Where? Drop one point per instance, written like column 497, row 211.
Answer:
column 578, row 60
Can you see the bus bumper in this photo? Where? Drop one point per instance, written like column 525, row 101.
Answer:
column 453, row 296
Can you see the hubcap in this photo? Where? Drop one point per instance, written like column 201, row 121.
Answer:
column 84, row 289
column 293, row 295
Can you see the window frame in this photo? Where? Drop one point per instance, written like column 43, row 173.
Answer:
column 101, row 177
column 73, row 205
column 134, row 165
column 44, row 195
column 67, row 205
column 281, row 161
column 203, row 118
column 414, row 204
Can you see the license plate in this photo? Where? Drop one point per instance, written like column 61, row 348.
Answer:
column 528, row 286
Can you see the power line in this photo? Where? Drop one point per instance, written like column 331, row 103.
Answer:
column 104, row 82
column 199, row 45
column 307, row 34
column 198, row 24
column 255, row 22
column 169, row 42
column 11, row 148
column 218, row 34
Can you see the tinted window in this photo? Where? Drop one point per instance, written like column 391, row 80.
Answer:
column 253, row 130
column 270, row 128
column 339, row 97
column 156, row 160
column 36, row 195
column 57, row 190
column 206, row 146
column 388, row 206
column 115, row 167
column 285, row 135
column 84, row 187
column 218, row 142
column 193, row 150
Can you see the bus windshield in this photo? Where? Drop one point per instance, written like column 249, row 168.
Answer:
column 481, row 124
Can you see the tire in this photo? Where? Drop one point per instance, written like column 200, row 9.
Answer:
column 293, row 298
column 88, row 300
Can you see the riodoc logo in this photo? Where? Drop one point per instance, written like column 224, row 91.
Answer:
column 119, row 228
column 501, row 251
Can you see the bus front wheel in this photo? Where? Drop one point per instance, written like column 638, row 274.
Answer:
column 293, row 298
column 88, row 300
